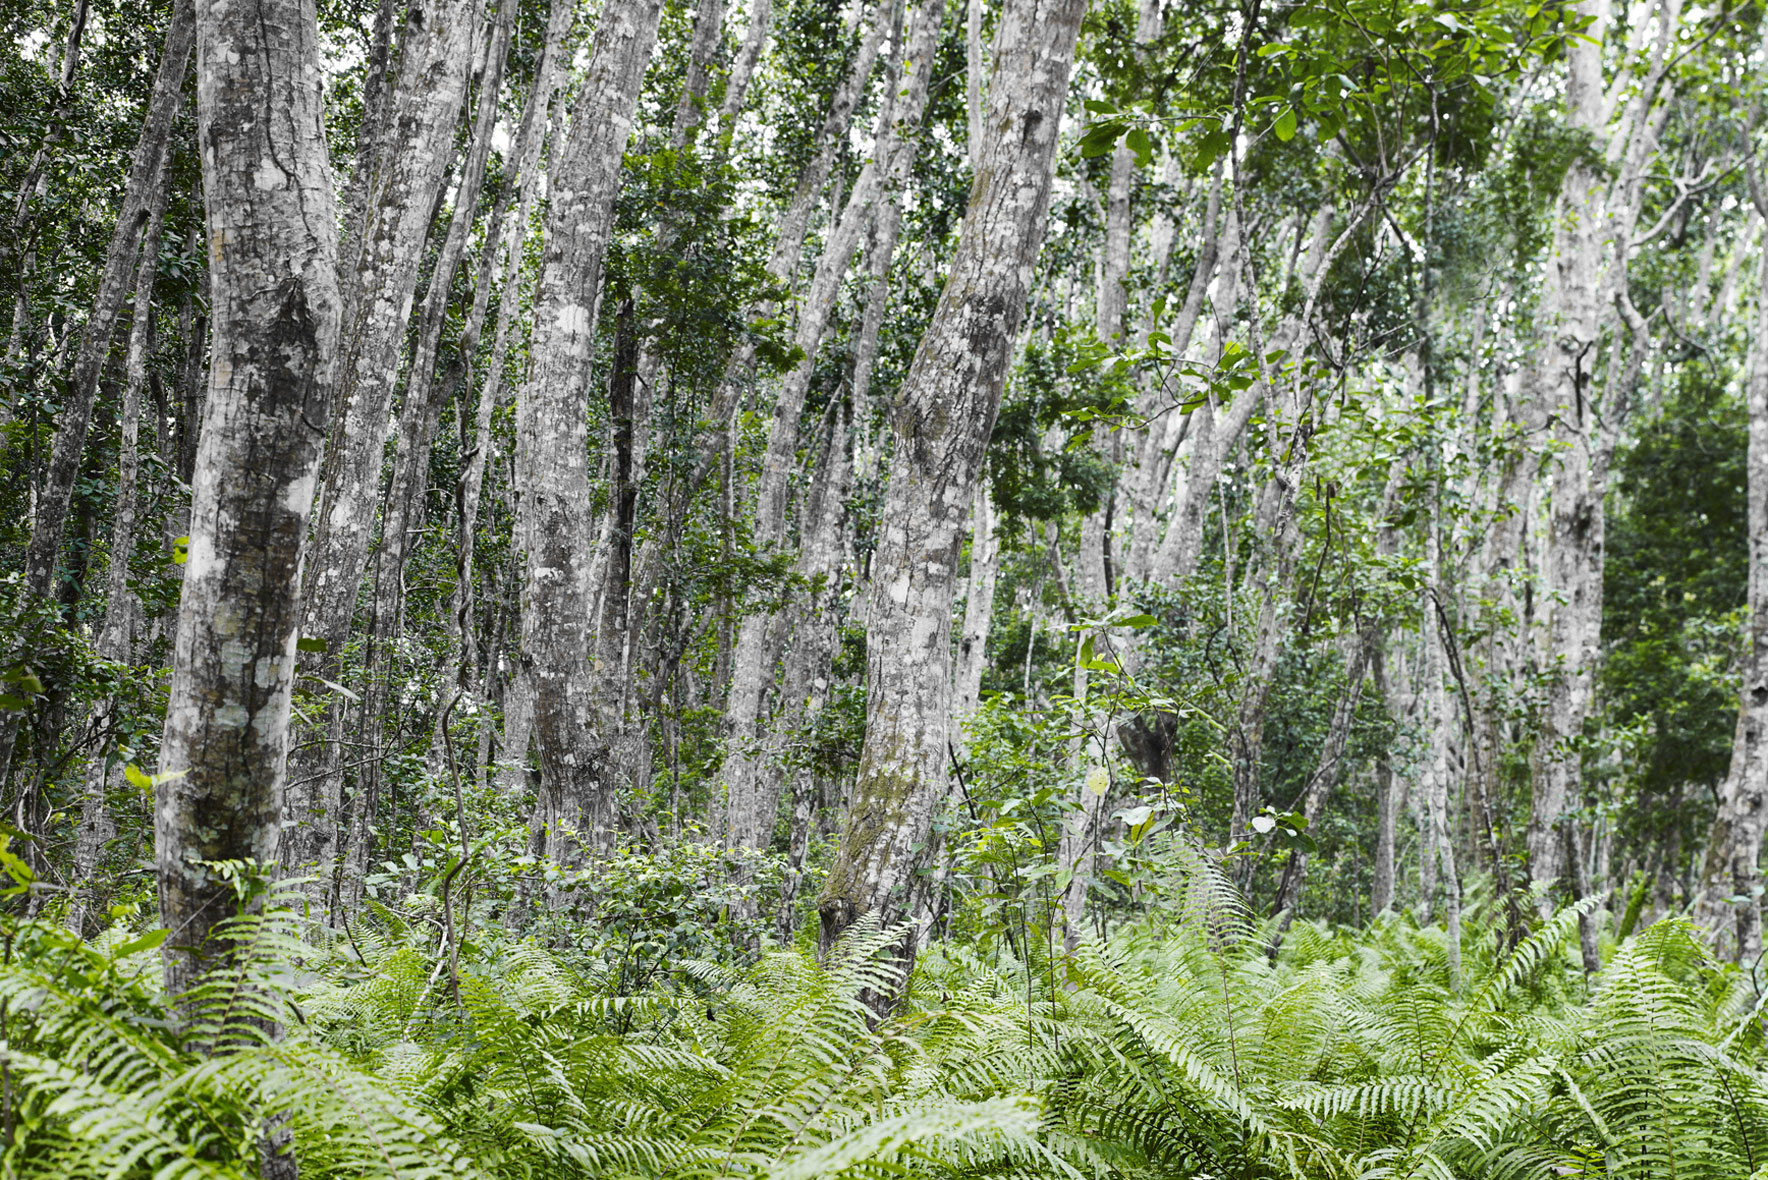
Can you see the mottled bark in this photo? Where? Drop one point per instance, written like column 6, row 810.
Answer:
column 736, row 85
column 810, row 628
column 1730, row 903
column 690, row 108
column 1598, row 202
column 146, row 168
column 36, row 186
column 1096, row 573
column 711, row 445
column 378, row 274
column 1217, row 429
column 425, row 396
column 1438, row 772
column 753, row 658
column 116, row 639
column 507, row 250
column 553, row 508
column 271, row 214
column 1148, row 481
column 1317, row 790
column 979, row 596
column 941, row 418
column 1387, row 805
column 788, row 251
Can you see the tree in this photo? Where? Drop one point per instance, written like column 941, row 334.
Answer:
column 552, row 430
column 272, row 217
column 940, row 419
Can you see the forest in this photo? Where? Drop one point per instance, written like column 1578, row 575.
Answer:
column 783, row 589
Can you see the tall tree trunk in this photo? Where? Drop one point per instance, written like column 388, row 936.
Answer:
column 425, row 396
column 116, row 640
column 552, row 428
column 690, row 109
column 1440, row 723
column 1328, row 767
column 378, row 278
column 141, row 191
column 985, row 568
column 1095, row 572
column 1594, row 217
column 753, row 658
column 712, row 439
column 1152, row 474
column 942, row 416
column 271, row 213
column 36, row 185
column 505, row 253
column 1729, row 904
column 1387, row 804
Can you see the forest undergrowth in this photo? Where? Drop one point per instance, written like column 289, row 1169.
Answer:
column 1190, row 1041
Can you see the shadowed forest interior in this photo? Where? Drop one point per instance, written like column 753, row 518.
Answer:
column 858, row 588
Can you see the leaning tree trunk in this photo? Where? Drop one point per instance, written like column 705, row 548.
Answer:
column 378, row 278
column 146, row 177
column 1730, row 903
column 272, row 218
column 425, row 397
column 552, row 428
column 751, row 808
column 942, row 416
column 712, row 440
column 116, row 641
column 1599, row 201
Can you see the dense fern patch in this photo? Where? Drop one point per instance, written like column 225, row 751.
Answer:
column 1177, row 1047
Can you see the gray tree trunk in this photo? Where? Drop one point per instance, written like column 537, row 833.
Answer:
column 553, row 507
column 941, row 417
column 751, row 809
column 1152, row 473
column 116, row 640
column 425, row 397
column 1593, row 225
column 524, row 157
column 1387, row 802
column 407, row 157
column 271, row 213
column 979, row 596
column 1729, row 904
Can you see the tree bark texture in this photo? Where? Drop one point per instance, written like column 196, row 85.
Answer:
column 425, row 397
column 1593, row 221
column 979, row 596
column 1387, row 803
column 378, row 279
column 116, row 640
column 271, row 213
column 1730, row 904
column 146, row 177
column 941, row 418
column 880, row 181
column 553, row 508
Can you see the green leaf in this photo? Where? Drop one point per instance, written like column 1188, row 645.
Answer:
column 1142, row 147
column 307, row 643
column 138, row 778
column 181, row 549
column 1285, row 127
column 146, row 942
column 1138, row 621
